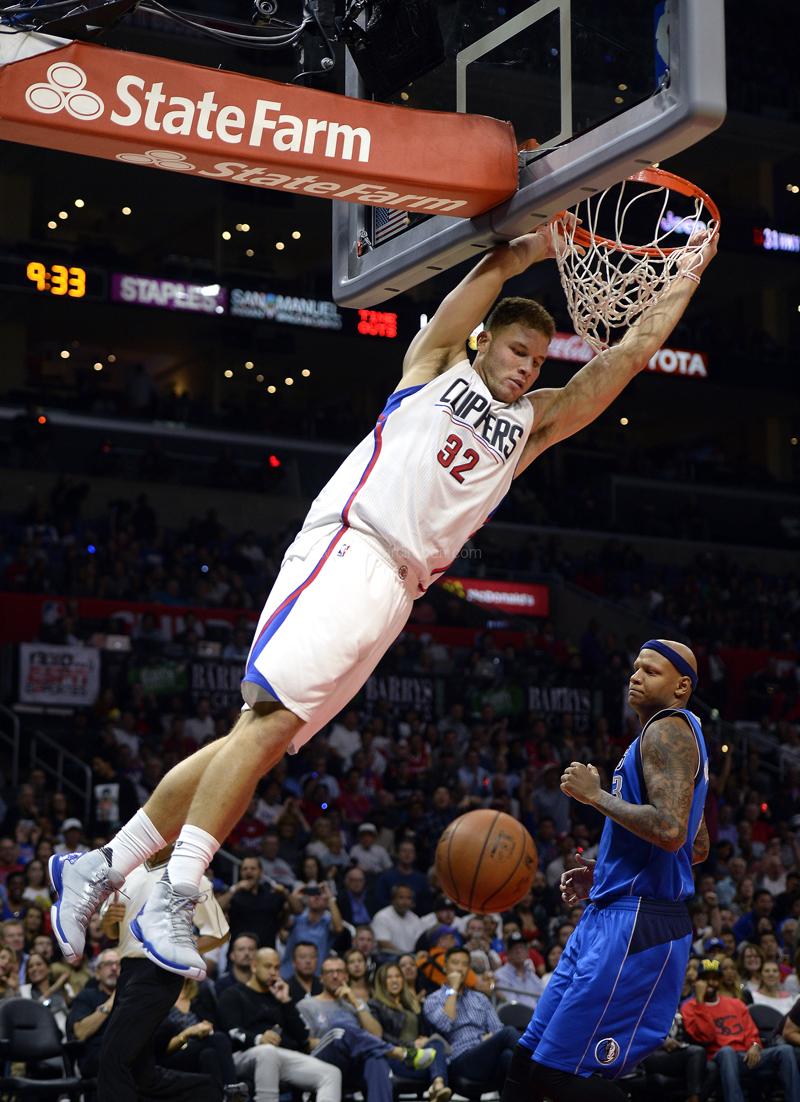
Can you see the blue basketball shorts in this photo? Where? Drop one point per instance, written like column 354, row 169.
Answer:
column 613, row 996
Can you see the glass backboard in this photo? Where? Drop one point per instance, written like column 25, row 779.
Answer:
column 602, row 88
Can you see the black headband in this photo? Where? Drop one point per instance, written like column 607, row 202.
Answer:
column 680, row 664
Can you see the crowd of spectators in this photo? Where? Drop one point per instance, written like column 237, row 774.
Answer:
column 333, row 880
column 337, row 921
column 128, row 553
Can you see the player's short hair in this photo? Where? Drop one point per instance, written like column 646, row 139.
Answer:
column 509, row 311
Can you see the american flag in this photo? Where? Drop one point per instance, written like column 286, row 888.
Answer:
column 388, row 223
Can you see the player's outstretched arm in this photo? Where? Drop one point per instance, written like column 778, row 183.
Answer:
column 441, row 343
column 669, row 762
column 560, row 413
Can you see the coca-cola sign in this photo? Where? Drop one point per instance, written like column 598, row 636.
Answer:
column 570, row 347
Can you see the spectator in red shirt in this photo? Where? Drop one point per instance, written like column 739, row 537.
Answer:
column 354, row 804
column 247, row 834
column 730, row 1037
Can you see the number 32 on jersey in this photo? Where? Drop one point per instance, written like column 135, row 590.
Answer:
column 452, row 449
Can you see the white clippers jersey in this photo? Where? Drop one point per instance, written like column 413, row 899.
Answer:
column 439, row 462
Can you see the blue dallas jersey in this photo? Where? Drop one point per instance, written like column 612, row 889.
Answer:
column 627, row 865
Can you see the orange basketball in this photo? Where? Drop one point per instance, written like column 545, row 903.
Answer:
column 486, row 861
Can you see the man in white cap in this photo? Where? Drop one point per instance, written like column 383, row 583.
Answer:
column 367, row 853
column 71, row 832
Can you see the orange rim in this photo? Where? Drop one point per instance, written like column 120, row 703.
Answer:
column 660, row 178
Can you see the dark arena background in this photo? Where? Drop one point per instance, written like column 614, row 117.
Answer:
column 176, row 385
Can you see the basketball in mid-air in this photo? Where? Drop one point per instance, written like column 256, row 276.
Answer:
column 486, row 861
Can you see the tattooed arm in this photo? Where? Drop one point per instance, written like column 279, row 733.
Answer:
column 669, row 760
column 701, row 844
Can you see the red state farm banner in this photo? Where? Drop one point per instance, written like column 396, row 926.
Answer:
column 522, row 598
column 142, row 110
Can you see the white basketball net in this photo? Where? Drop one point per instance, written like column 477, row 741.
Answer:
column 607, row 283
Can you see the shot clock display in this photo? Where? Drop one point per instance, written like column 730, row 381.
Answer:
column 57, row 279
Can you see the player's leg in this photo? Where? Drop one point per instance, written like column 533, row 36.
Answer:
column 84, row 881
column 329, row 619
column 82, row 884
column 561, row 1086
column 528, row 1081
column 519, row 1086
column 624, row 993
column 257, row 742
column 557, row 987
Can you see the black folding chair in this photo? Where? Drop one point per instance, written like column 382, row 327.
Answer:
column 767, row 1020
column 29, row 1035
column 516, row 1014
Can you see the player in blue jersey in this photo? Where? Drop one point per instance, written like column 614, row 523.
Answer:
column 613, row 996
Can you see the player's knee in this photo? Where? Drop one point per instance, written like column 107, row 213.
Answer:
column 268, row 723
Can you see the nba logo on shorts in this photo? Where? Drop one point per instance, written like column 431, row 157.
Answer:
column 343, row 550
column 606, row 1051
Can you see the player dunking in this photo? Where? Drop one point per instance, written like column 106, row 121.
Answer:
column 442, row 456
column 614, row 993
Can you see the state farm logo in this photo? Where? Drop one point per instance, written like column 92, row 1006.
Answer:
column 65, row 90
column 158, row 158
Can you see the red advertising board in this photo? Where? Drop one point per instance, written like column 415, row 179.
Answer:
column 183, row 118
column 24, row 613
column 518, row 598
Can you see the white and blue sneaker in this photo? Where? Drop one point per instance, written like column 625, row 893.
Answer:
column 164, row 926
column 81, row 881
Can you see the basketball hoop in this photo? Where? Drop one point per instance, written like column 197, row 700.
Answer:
column 608, row 282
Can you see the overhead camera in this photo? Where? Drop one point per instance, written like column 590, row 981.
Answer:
column 392, row 42
column 399, row 42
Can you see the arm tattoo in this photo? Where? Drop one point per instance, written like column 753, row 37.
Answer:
column 669, row 759
column 701, row 844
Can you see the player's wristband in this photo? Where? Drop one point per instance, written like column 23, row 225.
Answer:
column 692, row 276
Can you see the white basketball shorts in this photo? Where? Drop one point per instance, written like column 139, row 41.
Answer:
column 336, row 607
